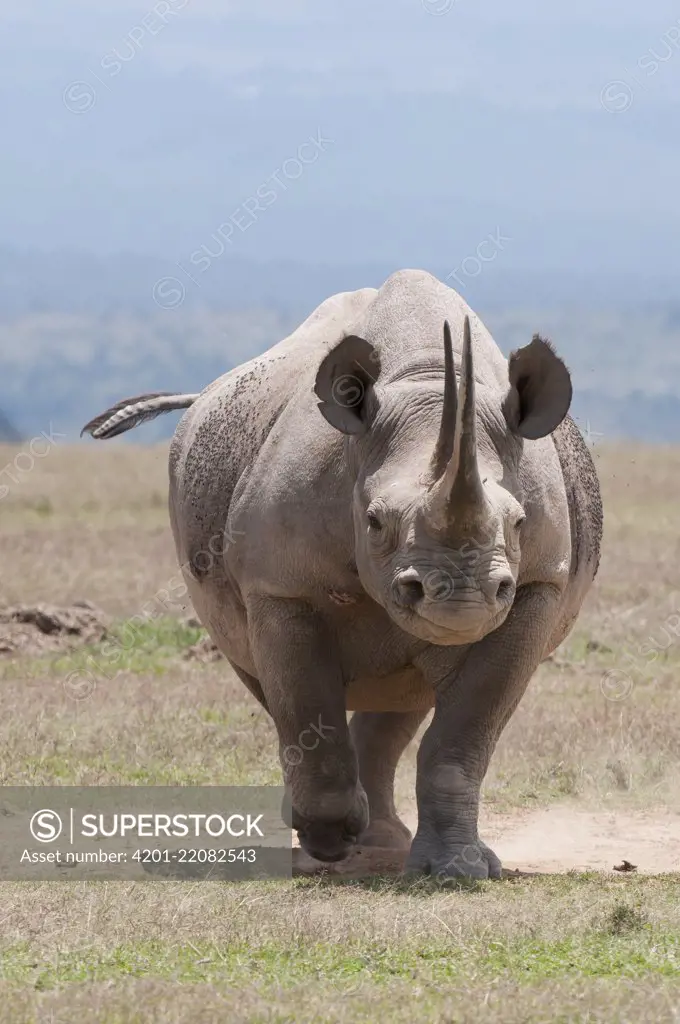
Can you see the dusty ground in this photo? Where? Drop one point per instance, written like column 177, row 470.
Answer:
column 554, row 839
column 587, row 774
column 568, row 839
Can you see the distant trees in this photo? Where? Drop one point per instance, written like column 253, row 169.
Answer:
column 58, row 369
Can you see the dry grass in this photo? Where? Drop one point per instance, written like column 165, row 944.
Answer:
column 569, row 734
column 91, row 523
column 141, row 1001
column 556, row 948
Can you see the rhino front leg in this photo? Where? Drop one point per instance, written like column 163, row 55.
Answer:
column 380, row 739
column 472, row 706
column 299, row 671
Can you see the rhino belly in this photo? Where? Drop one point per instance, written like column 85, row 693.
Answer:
column 405, row 690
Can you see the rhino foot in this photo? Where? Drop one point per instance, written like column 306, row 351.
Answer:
column 332, row 840
column 453, row 860
column 387, row 833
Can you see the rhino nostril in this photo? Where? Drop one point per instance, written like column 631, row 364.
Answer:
column 505, row 591
column 409, row 592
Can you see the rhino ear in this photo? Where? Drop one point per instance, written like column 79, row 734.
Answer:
column 343, row 381
column 540, row 390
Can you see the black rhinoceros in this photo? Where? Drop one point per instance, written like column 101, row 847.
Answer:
column 361, row 530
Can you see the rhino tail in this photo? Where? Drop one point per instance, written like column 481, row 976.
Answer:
column 130, row 412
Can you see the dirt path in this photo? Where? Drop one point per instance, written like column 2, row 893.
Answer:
column 551, row 840
column 560, row 839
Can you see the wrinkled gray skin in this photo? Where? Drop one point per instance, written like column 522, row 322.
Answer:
column 357, row 533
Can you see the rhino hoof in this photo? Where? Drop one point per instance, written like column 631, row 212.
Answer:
column 462, row 860
column 326, row 842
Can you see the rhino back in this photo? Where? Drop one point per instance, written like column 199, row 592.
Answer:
column 405, row 323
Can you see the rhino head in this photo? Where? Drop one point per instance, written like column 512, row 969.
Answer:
column 438, row 530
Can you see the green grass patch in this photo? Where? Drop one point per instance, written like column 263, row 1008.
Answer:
column 133, row 646
column 632, row 954
column 143, row 647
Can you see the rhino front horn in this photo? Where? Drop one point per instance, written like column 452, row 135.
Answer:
column 455, row 458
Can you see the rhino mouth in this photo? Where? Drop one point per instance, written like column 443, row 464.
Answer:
column 433, row 605
column 454, row 632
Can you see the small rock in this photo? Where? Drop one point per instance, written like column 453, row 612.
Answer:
column 595, row 645
column 192, row 622
column 625, row 865
column 205, row 650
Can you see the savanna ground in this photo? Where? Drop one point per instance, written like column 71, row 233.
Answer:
column 586, row 774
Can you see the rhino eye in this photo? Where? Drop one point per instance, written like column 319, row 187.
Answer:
column 373, row 521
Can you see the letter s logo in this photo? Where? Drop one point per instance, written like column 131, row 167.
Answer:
column 46, row 826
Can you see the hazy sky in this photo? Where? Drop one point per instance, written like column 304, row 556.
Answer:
column 146, row 126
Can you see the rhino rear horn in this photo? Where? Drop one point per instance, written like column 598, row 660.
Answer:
column 447, row 428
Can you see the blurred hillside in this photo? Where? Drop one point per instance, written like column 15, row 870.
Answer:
column 79, row 332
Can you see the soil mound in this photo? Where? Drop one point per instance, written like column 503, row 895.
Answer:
column 46, row 629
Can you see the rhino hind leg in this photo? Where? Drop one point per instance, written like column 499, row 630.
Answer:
column 380, row 738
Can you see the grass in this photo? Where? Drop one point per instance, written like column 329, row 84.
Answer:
column 520, row 960
column 132, row 646
column 91, row 524
column 303, row 948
